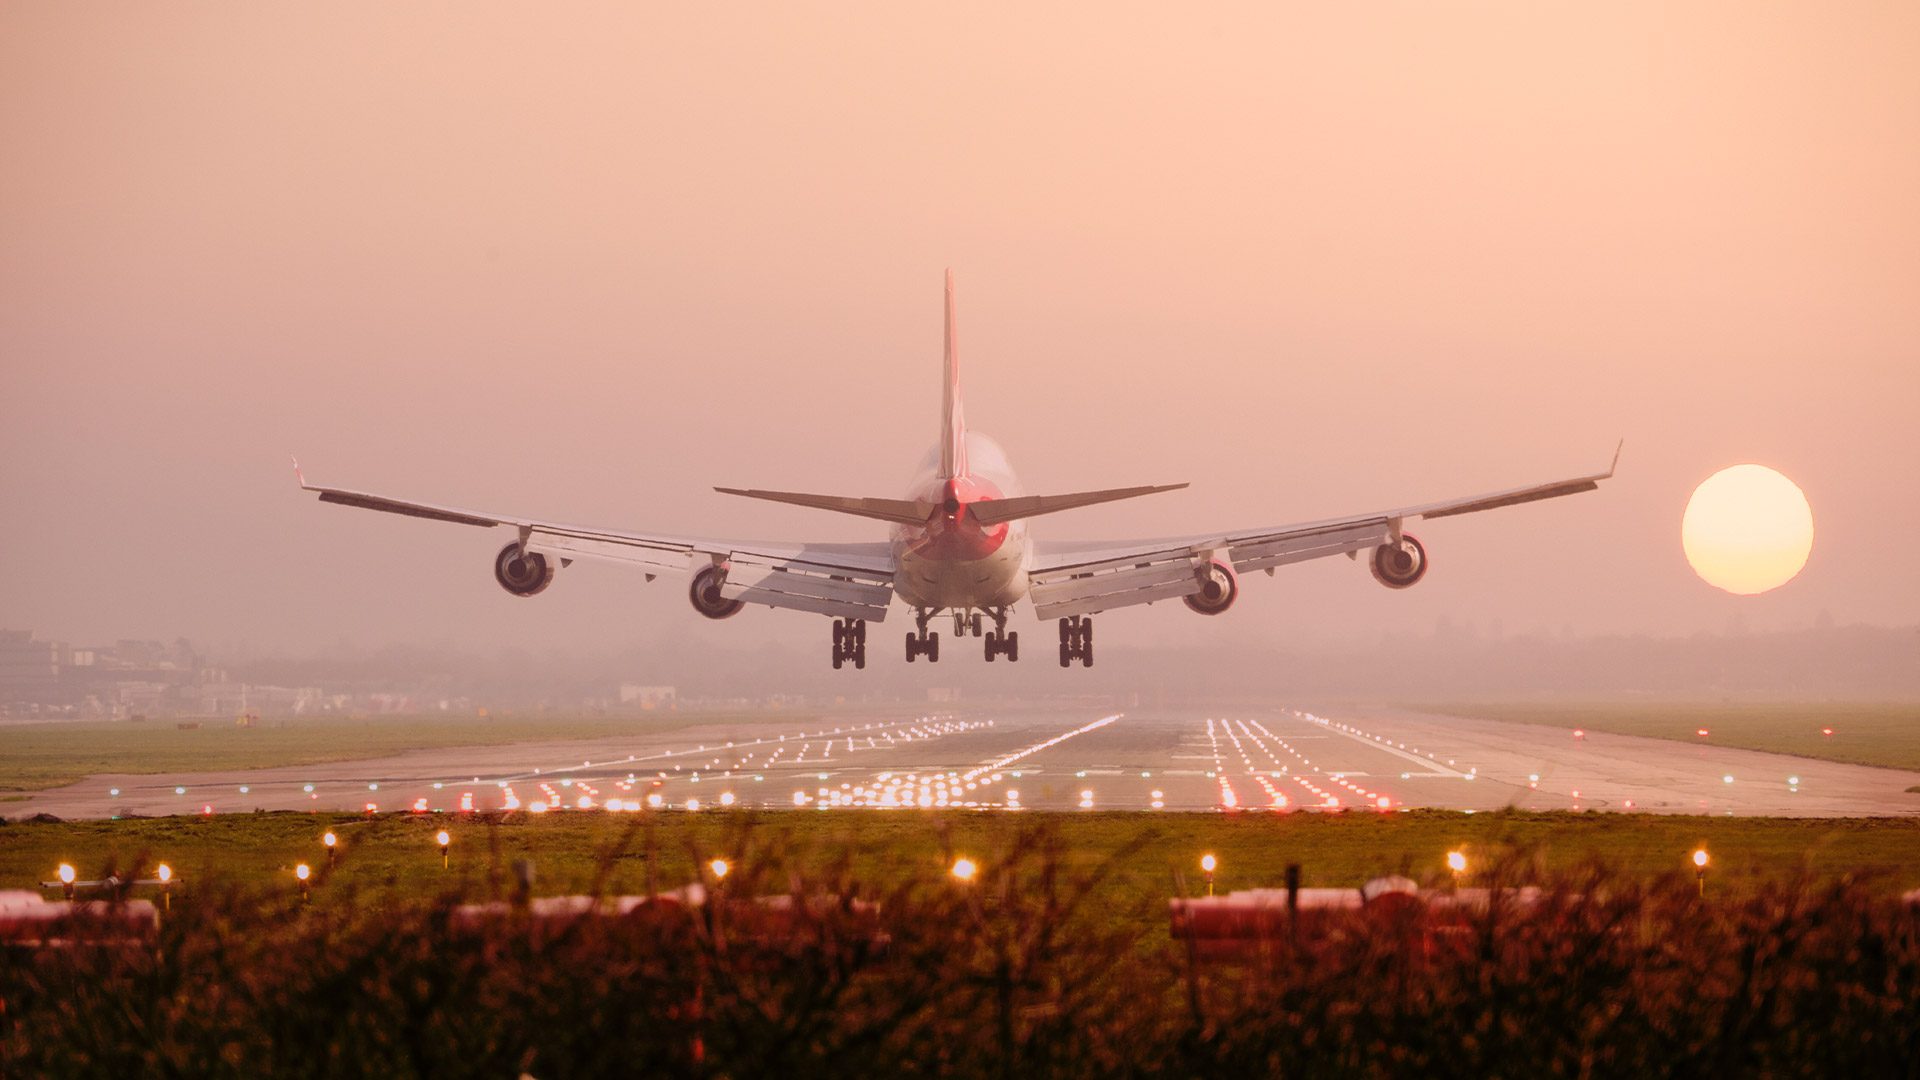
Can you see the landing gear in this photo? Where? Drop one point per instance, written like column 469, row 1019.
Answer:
column 1007, row 645
column 849, row 642
column 923, row 642
column 1076, row 641
column 1000, row 640
column 968, row 622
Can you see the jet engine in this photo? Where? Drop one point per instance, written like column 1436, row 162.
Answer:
column 522, row 575
column 1218, row 589
column 1398, row 566
column 705, row 594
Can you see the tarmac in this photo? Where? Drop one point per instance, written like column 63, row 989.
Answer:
column 1271, row 759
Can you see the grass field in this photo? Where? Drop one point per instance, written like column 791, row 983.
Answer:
column 576, row 852
column 34, row 757
column 1887, row 735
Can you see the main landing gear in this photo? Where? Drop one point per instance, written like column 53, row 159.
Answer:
column 1000, row 640
column 1076, row 641
column 849, row 642
column 924, row 642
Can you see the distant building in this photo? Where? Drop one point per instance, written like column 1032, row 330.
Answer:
column 30, row 669
column 647, row 697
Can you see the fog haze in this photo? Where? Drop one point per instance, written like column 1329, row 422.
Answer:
column 589, row 263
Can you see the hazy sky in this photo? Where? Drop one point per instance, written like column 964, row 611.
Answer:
column 587, row 261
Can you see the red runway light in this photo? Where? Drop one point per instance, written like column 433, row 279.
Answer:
column 1702, row 733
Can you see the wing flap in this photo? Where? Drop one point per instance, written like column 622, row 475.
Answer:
column 632, row 551
column 1314, row 544
column 805, row 586
column 1141, row 579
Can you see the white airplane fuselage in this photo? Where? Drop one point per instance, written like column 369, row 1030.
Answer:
column 952, row 561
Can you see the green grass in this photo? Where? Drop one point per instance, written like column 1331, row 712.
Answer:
column 38, row 756
column 1886, row 735
column 572, row 850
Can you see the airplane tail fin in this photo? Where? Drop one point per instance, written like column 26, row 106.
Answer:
column 953, row 426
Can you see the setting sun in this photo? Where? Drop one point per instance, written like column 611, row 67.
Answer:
column 1747, row 529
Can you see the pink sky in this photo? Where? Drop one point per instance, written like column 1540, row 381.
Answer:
column 589, row 263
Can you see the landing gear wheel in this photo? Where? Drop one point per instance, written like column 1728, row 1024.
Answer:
column 1010, row 645
column 933, row 648
column 849, row 642
column 993, row 645
column 1076, row 641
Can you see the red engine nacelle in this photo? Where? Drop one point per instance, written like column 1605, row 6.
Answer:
column 705, row 594
column 1219, row 588
column 1399, row 566
column 522, row 575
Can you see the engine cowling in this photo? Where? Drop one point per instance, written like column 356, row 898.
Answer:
column 1399, row 566
column 705, row 594
column 522, row 575
column 1219, row 588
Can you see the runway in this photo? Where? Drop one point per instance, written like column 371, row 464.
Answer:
column 1245, row 760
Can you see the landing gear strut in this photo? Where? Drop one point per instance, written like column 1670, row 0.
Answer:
column 923, row 642
column 1000, row 640
column 1076, row 641
column 849, row 642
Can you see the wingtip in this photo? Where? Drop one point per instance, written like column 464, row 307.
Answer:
column 298, row 477
column 1616, row 456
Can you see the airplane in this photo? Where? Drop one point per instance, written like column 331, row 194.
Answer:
column 959, row 546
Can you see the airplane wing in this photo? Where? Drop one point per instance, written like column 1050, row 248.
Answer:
column 1083, row 578
column 842, row 580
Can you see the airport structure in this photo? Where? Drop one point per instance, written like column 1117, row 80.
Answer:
column 129, row 679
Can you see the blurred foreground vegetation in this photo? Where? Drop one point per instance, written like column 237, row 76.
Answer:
column 1055, row 960
column 1887, row 735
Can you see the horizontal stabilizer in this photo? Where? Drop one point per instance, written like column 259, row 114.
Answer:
column 900, row 511
column 1001, row 511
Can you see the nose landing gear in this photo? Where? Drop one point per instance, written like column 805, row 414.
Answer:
column 849, row 642
column 1076, row 641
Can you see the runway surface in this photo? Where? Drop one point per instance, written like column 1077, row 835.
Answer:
column 1243, row 760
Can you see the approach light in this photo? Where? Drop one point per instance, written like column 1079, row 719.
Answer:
column 66, row 873
column 692, row 805
column 1700, row 858
column 302, row 872
column 726, row 798
column 719, row 868
column 1208, row 862
column 329, row 839
column 1457, row 862
column 963, row 869
column 165, row 872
